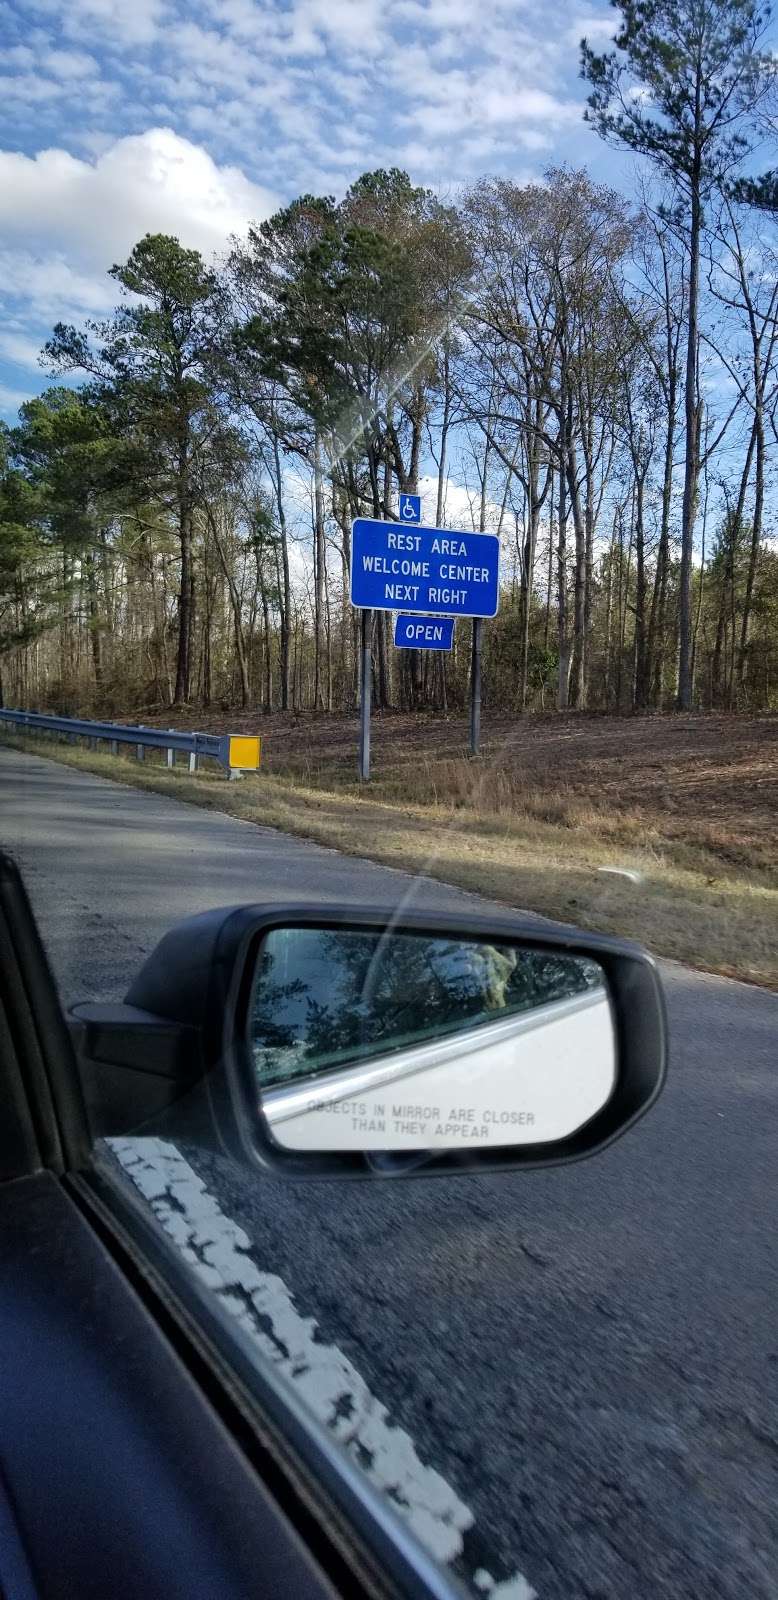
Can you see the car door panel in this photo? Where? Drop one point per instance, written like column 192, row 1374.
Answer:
column 122, row 1479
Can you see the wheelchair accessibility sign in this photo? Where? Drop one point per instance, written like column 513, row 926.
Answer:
column 410, row 508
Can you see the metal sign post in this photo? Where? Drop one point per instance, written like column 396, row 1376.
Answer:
column 366, row 692
column 475, row 688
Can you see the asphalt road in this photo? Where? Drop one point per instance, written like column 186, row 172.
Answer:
column 588, row 1357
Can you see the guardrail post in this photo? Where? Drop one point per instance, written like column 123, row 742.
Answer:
column 114, row 747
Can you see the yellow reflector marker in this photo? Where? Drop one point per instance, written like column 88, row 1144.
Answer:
column 245, row 752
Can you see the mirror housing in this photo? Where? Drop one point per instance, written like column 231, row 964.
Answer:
column 177, row 1059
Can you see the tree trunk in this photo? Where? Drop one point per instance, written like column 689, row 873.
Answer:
column 753, row 554
column 579, row 593
column 609, row 622
column 382, row 695
column 206, row 663
column 183, row 655
column 624, row 576
column 95, row 630
column 701, row 587
column 528, row 564
column 181, row 694
column 319, row 559
column 268, row 654
column 564, row 648
column 235, row 605
column 641, row 659
column 550, row 571
column 589, row 523
column 734, row 528
column 444, row 428
column 534, row 501
column 414, row 657
column 328, row 641
column 656, row 623
column 380, row 631
column 285, row 596
column 692, row 461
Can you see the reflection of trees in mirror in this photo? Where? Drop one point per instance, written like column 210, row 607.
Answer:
column 274, row 1035
column 323, row 998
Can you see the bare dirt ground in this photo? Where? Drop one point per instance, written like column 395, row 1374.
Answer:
column 705, row 780
column 663, row 829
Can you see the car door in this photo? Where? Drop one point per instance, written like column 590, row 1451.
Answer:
column 172, row 1404
column 137, row 1456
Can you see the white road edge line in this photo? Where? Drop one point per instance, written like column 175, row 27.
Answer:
column 218, row 1251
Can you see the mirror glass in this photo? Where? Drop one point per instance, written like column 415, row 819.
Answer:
column 403, row 1041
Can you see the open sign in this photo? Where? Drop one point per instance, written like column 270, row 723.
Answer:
column 424, row 633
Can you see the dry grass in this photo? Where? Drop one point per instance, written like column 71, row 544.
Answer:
column 706, row 892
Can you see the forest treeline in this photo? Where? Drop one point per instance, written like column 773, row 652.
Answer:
column 588, row 373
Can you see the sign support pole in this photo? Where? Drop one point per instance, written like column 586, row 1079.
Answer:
column 366, row 686
column 475, row 688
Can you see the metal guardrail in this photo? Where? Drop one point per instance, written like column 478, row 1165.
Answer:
column 237, row 753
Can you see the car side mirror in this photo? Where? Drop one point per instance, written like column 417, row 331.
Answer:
column 343, row 1042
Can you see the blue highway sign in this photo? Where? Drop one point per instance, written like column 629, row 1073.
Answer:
column 410, row 508
column 435, row 570
column 424, row 633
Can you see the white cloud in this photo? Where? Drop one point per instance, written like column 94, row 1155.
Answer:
column 305, row 27
column 461, row 506
column 68, row 64
column 19, row 55
column 504, row 103
column 49, row 287
column 12, row 399
column 597, row 30
column 487, row 97
column 532, row 139
column 19, row 349
column 350, row 23
column 213, row 57
column 64, row 221
column 145, row 183
column 28, row 89
column 129, row 21
column 440, row 14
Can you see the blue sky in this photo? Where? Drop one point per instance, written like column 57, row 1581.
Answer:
column 195, row 116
